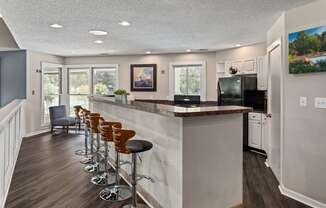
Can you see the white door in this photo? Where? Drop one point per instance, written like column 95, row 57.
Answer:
column 255, row 134
column 274, row 106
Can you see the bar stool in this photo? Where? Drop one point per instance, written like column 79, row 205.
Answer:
column 117, row 192
column 92, row 121
column 108, row 177
column 78, row 110
column 84, row 115
column 134, row 147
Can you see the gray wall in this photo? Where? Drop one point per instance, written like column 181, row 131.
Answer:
column 304, row 138
column 6, row 39
column 12, row 76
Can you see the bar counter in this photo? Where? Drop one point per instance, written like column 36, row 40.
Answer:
column 196, row 160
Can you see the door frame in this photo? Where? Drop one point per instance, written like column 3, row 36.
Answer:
column 277, row 43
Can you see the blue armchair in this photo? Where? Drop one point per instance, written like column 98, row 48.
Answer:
column 58, row 117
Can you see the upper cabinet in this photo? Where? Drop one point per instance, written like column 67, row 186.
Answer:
column 255, row 65
column 262, row 73
column 245, row 66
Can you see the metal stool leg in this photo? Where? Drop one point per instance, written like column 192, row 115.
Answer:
column 117, row 192
column 92, row 167
column 105, row 178
column 87, row 159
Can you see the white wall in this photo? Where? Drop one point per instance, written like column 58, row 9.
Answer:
column 163, row 62
column 6, row 39
column 33, row 102
column 250, row 51
column 304, row 140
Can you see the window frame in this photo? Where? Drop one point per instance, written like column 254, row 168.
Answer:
column 46, row 66
column 76, row 69
column 202, row 77
column 110, row 67
column 90, row 68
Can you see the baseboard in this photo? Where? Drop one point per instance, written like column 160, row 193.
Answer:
column 239, row 206
column 36, row 133
column 266, row 163
column 301, row 198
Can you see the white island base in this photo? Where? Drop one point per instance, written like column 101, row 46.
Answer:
column 196, row 162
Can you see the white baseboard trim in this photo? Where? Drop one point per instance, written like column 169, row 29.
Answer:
column 301, row 198
column 266, row 163
column 35, row 133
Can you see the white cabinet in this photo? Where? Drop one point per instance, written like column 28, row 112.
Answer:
column 264, row 133
column 255, row 130
column 245, row 66
column 262, row 72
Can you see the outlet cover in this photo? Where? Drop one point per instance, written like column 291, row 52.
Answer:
column 303, row 101
column 320, row 102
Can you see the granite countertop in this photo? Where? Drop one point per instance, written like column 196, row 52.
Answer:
column 175, row 111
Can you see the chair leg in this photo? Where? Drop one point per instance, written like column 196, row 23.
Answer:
column 51, row 129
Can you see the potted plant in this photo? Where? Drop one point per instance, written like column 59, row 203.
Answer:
column 121, row 96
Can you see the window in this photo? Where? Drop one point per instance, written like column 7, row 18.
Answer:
column 51, row 90
column 104, row 81
column 188, row 79
column 78, row 88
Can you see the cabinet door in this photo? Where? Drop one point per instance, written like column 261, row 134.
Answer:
column 228, row 64
column 261, row 73
column 264, row 133
column 255, row 134
column 248, row 66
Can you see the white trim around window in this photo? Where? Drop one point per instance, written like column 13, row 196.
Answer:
column 49, row 67
column 202, row 77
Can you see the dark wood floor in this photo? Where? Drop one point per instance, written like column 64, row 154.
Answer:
column 261, row 186
column 49, row 175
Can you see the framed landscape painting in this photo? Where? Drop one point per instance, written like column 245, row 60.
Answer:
column 307, row 51
column 143, row 77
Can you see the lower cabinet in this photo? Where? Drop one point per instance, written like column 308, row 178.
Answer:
column 257, row 132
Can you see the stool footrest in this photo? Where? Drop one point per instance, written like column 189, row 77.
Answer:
column 140, row 177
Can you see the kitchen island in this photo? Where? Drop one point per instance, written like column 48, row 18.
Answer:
column 196, row 160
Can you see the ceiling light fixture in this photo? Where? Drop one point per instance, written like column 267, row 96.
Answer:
column 188, row 50
column 124, row 23
column 238, row 45
column 0, row 15
column 148, row 52
column 98, row 41
column 98, row 32
column 55, row 25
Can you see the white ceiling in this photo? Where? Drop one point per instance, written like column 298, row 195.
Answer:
column 157, row 25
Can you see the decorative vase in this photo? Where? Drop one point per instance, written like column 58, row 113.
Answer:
column 121, row 98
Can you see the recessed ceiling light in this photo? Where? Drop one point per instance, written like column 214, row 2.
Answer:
column 98, row 41
column 98, row 32
column 124, row 23
column 238, row 45
column 55, row 25
column 188, row 50
column 148, row 52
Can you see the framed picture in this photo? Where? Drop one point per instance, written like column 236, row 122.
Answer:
column 143, row 77
column 307, row 51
